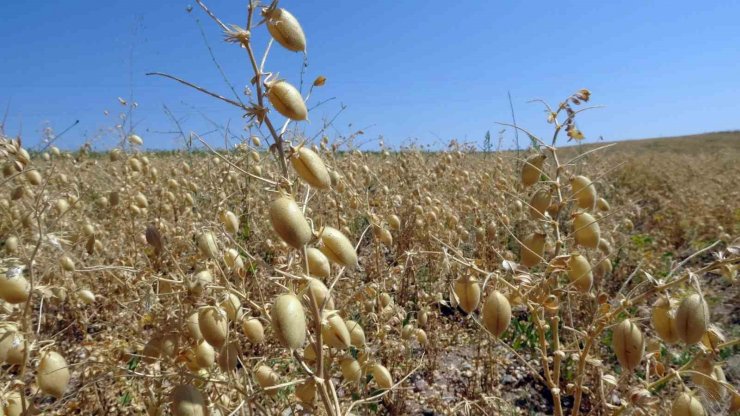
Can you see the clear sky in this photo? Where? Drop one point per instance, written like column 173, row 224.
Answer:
column 431, row 70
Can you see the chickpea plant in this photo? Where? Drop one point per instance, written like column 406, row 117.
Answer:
column 299, row 275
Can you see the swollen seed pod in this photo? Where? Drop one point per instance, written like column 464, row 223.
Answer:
column 140, row 200
column 421, row 337
column 213, row 325
column 320, row 293
column 188, row 401
column 11, row 244
column 602, row 204
column 496, row 313
column 12, row 345
column 33, row 177
column 334, row 331
column 586, row 230
column 285, row 29
column 382, row 377
column 199, row 282
column 67, row 264
column 311, row 168
column 193, row 327
column 385, row 237
column 231, row 305
column 579, row 272
column 318, row 264
column 603, row 268
column 692, row 319
column 532, row 249
column 14, row 405
column 351, row 370
column 289, row 223
column 205, row 355
column 289, row 321
column 230, row 222
column 663, row 320
column 532, row 169
column 539, row 203
column 407, row 332
column 628, row 344
column 231, row 256
column 253, row 330
column 207, row 245
column 394, row 222
column 467, row 291
column 583, row 191
column 385, row 299
column 14, row 288
column 423, row 318
column 687, row 405
column 356, row 334
column 337, row 247
column 61, row 206
column 52, row 375
column 135, row 140
column 86, row 296
column 266, row 377
column 287, row 100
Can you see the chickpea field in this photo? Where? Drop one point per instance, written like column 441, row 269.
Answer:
column 290, row 276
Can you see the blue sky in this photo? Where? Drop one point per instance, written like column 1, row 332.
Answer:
column 431, row 70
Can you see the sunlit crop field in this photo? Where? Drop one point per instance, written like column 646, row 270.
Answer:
column 129, row 274
column 290, row 274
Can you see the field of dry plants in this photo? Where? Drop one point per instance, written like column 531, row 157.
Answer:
column 291, row 277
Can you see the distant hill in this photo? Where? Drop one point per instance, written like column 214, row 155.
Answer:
column 725, row 141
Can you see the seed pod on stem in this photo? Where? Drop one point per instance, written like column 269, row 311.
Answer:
column 311, row 168
column 14, row 288
column 692, row 319
column 188, row 401
column 467, row 291
column 288, row 222
column 663, row 320
column 356, row 333
column 53, row 375
column 337, row 247
column 382, row 377
column 230, row 221
column 586, row 230
column 267, row 377
column 289, row 321
column 533, row 249
column 687, row 405
column 579, row 272
column 285, row 29
column 253, row 330
column 539, row 203
column 532, row 169
column 496, row 313
column 318, row 263
column 213, row 325
column 334, row 331
column 628, row 344
column 286, row 99
column 583, row 191
column 351, row 369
